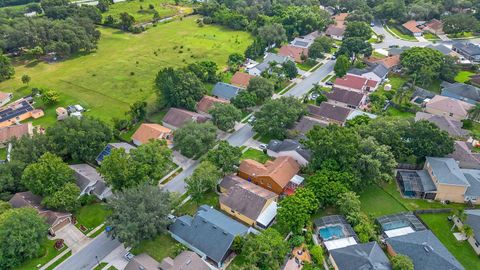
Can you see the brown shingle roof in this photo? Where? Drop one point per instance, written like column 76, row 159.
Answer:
column 345, row 96
column 388, row 62
column 449, row 105
column 148, row 132
column 229, row 181
column 187, row 260
column 208, row 102
column 247, row 199
column 350, row 81
column 334, row 30
column 412, row 26
column 241, row 79
column 15, row 131
column 306, row 123
column 463, row 153
column 329, row 111
column 435, row 25
column 178, row 117
column 294, row 52
column 281, row 170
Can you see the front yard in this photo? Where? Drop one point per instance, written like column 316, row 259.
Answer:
column 91, row 216
column 190, row 207
column 255, row 155
column 463, row 76
column 395, row 30
column 158, row 248
column 48, row 253
column 462, row 250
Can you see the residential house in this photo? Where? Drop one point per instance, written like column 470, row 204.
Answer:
column 228, row 181
column 337, row 29
column 291, row 148
column 464, row 92
column 15, row 131
column 355, row 83
column 90, row 181
column 305, row 41
column 412, row 27
column 209, row 233
column 425, row 251
column 399, row 224
column 62, row 113
column 329, row 113
column 397, row 50
column 296, row 53
column 147, row 132
column 279, row 176
column 187, row 260
column 376, row 72
column 176, row 118
column 473, row 221
column 55, row 220
column 251, row 204
column 448, row 107
column 346, row 98
column 475, row 79
column 464, row 156
column 434, row 26
column 143, row 262
column 389, row 62
column 108, row 150
column 270, row 58
column 207, row 103
column 241, row 79
column 451, row 126
column 360, row 256
column 446, row 51
column 306, row 123
column 5, row 98
column 468, row 50
column 225, row 91
column 18, row 111
column 334, row 232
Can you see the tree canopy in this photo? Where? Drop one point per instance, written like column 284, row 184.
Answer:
column 294, row 211
column 224, row 116
column 204, row 178
column 195, row 139
column 265, row 250
column 261, row 87
column 225, row 157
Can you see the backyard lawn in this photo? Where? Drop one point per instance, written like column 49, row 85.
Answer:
column 123, row 68
column 463, row 76
column 49, row 252
column 464, row 253
column 91, row 216
column 141, row 11
column 376, row 202
column 158, row 248
column 430, row 36
column 190, row 207
column 391, row 111
column 255, row 155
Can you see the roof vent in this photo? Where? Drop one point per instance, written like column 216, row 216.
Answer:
column 188, row 262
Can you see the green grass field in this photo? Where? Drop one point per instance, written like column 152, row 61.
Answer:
column 377, row 202
column 140, row 9
column 91, row 216
column 395, row 30
column 463, row 76
column 255, row 155
column 462, row 250
column 430, row 36
column 123, row 68
column 158, row 248
column 191, row 206
column 48, row 253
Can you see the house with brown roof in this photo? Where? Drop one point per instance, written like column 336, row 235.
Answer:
column 453, row 127
column 306, row 123
column 346, row 98
column 355, row 83
column 448, row 107
column 337, row 29
column 176, row 118
column 388, row 62
column 147, row 132
column 208, row 102
column 241, row 79
column 434, row 26
column 56, row 220
column 296, row 53
column 329, row 113
column 464, row 156
column 16, row 131
column 412, row 27
column 249, row 203
column 274, row 175
column 187, row 260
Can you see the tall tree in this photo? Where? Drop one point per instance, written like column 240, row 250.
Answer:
column 295, row 211
column 138, row 111
column 195, row 139
column 354, row 47
column 328, row 185
column 139, row 213
column 152, row 161
column 422, row 64
column 426, row 139
column 349, row 205
column 118, row 171
column 261, row 87
column 401, row 262
column 225, row 157
column 290, row 69
column 126, row 21
column 359, row 30
column 22, row 233
column 224, row 116
column 204, row 178
column 64, row 199
column 459, row 23
column 272, row 34
column 6, row 68
column 342, row 65
column 265, row 250
column 244, row 100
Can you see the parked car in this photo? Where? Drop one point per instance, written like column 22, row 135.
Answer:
column 263, row 146
column 329, row 83
column 129, row 256
column 372, row 24
column 252, row 119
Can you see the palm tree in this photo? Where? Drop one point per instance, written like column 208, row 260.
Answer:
column 474, row 113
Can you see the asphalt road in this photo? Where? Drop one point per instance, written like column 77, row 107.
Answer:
column 304, row 86
column 87, row 257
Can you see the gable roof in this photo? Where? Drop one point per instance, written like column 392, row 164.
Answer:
column 281, row 170
column 441, row 48
column 247, row 199
column 178, row 117
column 85, row 175
column 147, row 132
column 412, row 26
column 225, row 91
column 229, row 181
column 110, row 146
column 241, row 79
column 142, row 261
column 473, row 220
column 388, row 62
column 463, row 92
column 187, row 260
column 289, row 145
column 270, row 58
column 348, row 97
column 208, row 102
column 451, row 126
column 293, row 52
column 473, row 178
column 449, row 105
column 306, row 123
column 435, row 25
column 468, row 48
column 329, row 111
column 15, row 131
column 446, row 171
column 350, row 81
column 425, row 250
column 361, row 256
column 209, row 231
column 463, row 153
column 378, row 69
column 334, row 30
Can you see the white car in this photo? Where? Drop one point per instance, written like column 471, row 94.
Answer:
column 263, row 146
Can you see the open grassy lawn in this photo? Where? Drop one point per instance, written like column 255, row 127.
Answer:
column 159, row 248
column 255, row 155
column 462, row 250
column 395, row 30
column 463, row 76
column 462, row 35
column 48, row 253
column 430, row 36
column 123, row 68
column 140, row 9
column 91, row 216
column 377, row 202
column 190, row 207
column 391, row 111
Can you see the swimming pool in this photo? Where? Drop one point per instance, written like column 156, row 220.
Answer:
column 394, row 225
column 331, row 232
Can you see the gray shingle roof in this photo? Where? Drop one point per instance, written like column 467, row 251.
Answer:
column 368, row 256
column 289, row 145
column 378, row 69
column 425, row 250
column 451, row 126
column 306, row 123
column 85, row 175
column 329, row 111
column 473, row 178
column 225, row 90
column 352, row 98
column 473, row 220
column 229, row 181
column 446, row 171
column 270, row 58
column 469, row 48
column 209, row 231
column 441, row 48
column 463, row 92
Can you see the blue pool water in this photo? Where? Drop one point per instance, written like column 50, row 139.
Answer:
column 331, row 232
column 394, row 225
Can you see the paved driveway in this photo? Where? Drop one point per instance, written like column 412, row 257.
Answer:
column 73, row 237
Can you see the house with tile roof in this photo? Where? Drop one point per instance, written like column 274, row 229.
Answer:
column 412, row 27
column 148, row 131
column 360, row 256
column 463, row 154
column 472, row 220
column 329, row 113
column 448, row 107
column 291, row 148
column 463, row 92
column 389, row 62
column 453, row 127
column 207, row 103
column 355, row 83
column 90, row 181
column 293, row 52
column 346, row 98
column 251, row 204
column 241, row 79
column 209, row 233
column 7, row 134
column 278, row 176
column 176, row 118
column 434, row 26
